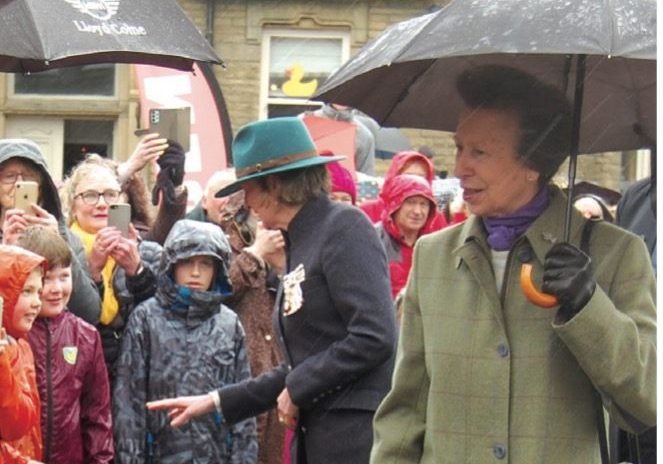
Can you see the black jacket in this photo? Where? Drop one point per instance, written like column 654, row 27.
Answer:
column 339, row 344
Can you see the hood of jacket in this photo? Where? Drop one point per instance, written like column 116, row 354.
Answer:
column 16, row 264
column 190, row 238
column 399, row 188
column 402, row 158
column 28, row 150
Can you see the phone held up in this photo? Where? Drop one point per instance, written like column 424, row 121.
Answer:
column 26, row 193
column 119, row 215
column 170, row 123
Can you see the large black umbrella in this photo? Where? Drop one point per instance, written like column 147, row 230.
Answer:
column 406, row 76
column 37, row 35
column 600, row 52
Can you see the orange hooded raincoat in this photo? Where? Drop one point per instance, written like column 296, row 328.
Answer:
column 20, row 434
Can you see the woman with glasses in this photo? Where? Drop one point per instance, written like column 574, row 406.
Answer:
column 121, row 267
column 22, row 160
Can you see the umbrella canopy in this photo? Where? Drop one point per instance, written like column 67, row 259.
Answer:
column 406, row 76
column 389, row 141
column 37, row 35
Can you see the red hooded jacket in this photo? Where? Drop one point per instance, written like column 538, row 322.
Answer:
column 20, row 434
column 375, row 208
column 73, row 387
column 395, row 191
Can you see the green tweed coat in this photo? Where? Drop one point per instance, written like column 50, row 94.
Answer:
column 484, row 377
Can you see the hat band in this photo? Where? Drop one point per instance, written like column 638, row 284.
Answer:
column 269, row 164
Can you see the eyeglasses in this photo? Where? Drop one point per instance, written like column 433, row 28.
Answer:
column 91, row 197
column 11, row 177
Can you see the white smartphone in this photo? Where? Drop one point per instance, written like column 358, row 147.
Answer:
column 119, row 215
column 26, row 193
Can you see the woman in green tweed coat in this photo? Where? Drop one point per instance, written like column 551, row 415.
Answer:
column 482, row 374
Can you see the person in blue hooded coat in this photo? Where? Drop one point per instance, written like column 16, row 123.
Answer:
column 176, row 343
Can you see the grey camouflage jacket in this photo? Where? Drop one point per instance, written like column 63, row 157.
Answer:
column 182, row 342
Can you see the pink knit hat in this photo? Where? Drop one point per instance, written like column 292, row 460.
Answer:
column 341, row 178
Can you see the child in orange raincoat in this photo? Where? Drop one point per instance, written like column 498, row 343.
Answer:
column 20, row 284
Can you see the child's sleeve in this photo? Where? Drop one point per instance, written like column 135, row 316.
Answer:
column 96, row 422
column 244, row 434
column 129, row 394
column 19, row 408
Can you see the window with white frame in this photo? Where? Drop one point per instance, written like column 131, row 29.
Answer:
column 294, row 64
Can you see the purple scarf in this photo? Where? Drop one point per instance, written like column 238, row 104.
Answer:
column 503, row 231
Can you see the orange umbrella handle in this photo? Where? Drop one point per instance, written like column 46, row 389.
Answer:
column 535, row 296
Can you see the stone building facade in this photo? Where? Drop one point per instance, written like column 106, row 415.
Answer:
column 255, row 38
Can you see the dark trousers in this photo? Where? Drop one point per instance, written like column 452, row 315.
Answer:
column 339, row 436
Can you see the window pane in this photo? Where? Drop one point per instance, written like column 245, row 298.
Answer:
column 96, row 79
column 85, row 136
column 299, row 64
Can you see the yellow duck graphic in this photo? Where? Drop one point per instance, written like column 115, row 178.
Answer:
column 294, row 87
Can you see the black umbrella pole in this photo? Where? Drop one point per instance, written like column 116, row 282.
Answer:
column 575, row 140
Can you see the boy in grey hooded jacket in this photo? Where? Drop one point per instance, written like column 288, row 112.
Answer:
column 182, row 341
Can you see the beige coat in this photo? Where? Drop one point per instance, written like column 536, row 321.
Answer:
column 483, row 379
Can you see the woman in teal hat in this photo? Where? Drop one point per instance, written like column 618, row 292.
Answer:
column 334, row 316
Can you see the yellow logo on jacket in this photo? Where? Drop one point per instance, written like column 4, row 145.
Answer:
column 70, row 353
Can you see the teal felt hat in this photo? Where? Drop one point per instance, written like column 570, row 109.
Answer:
column 274, row 145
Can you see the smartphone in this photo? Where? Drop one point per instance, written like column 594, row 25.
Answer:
column 27, row 193
column 172, row 123
column 119, row 215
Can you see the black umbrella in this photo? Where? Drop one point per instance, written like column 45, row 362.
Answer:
column 389, row 141
column 602, row 52
column 37, row 35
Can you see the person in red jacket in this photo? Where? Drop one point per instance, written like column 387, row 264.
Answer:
column 405, row 162
column 73, row 385
column 20, row 284
column 408, row 214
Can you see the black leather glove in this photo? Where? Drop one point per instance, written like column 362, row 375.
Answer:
column 567, row 274
column 171, row 173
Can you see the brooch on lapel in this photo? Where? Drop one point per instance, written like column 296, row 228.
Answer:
column 292, row 290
